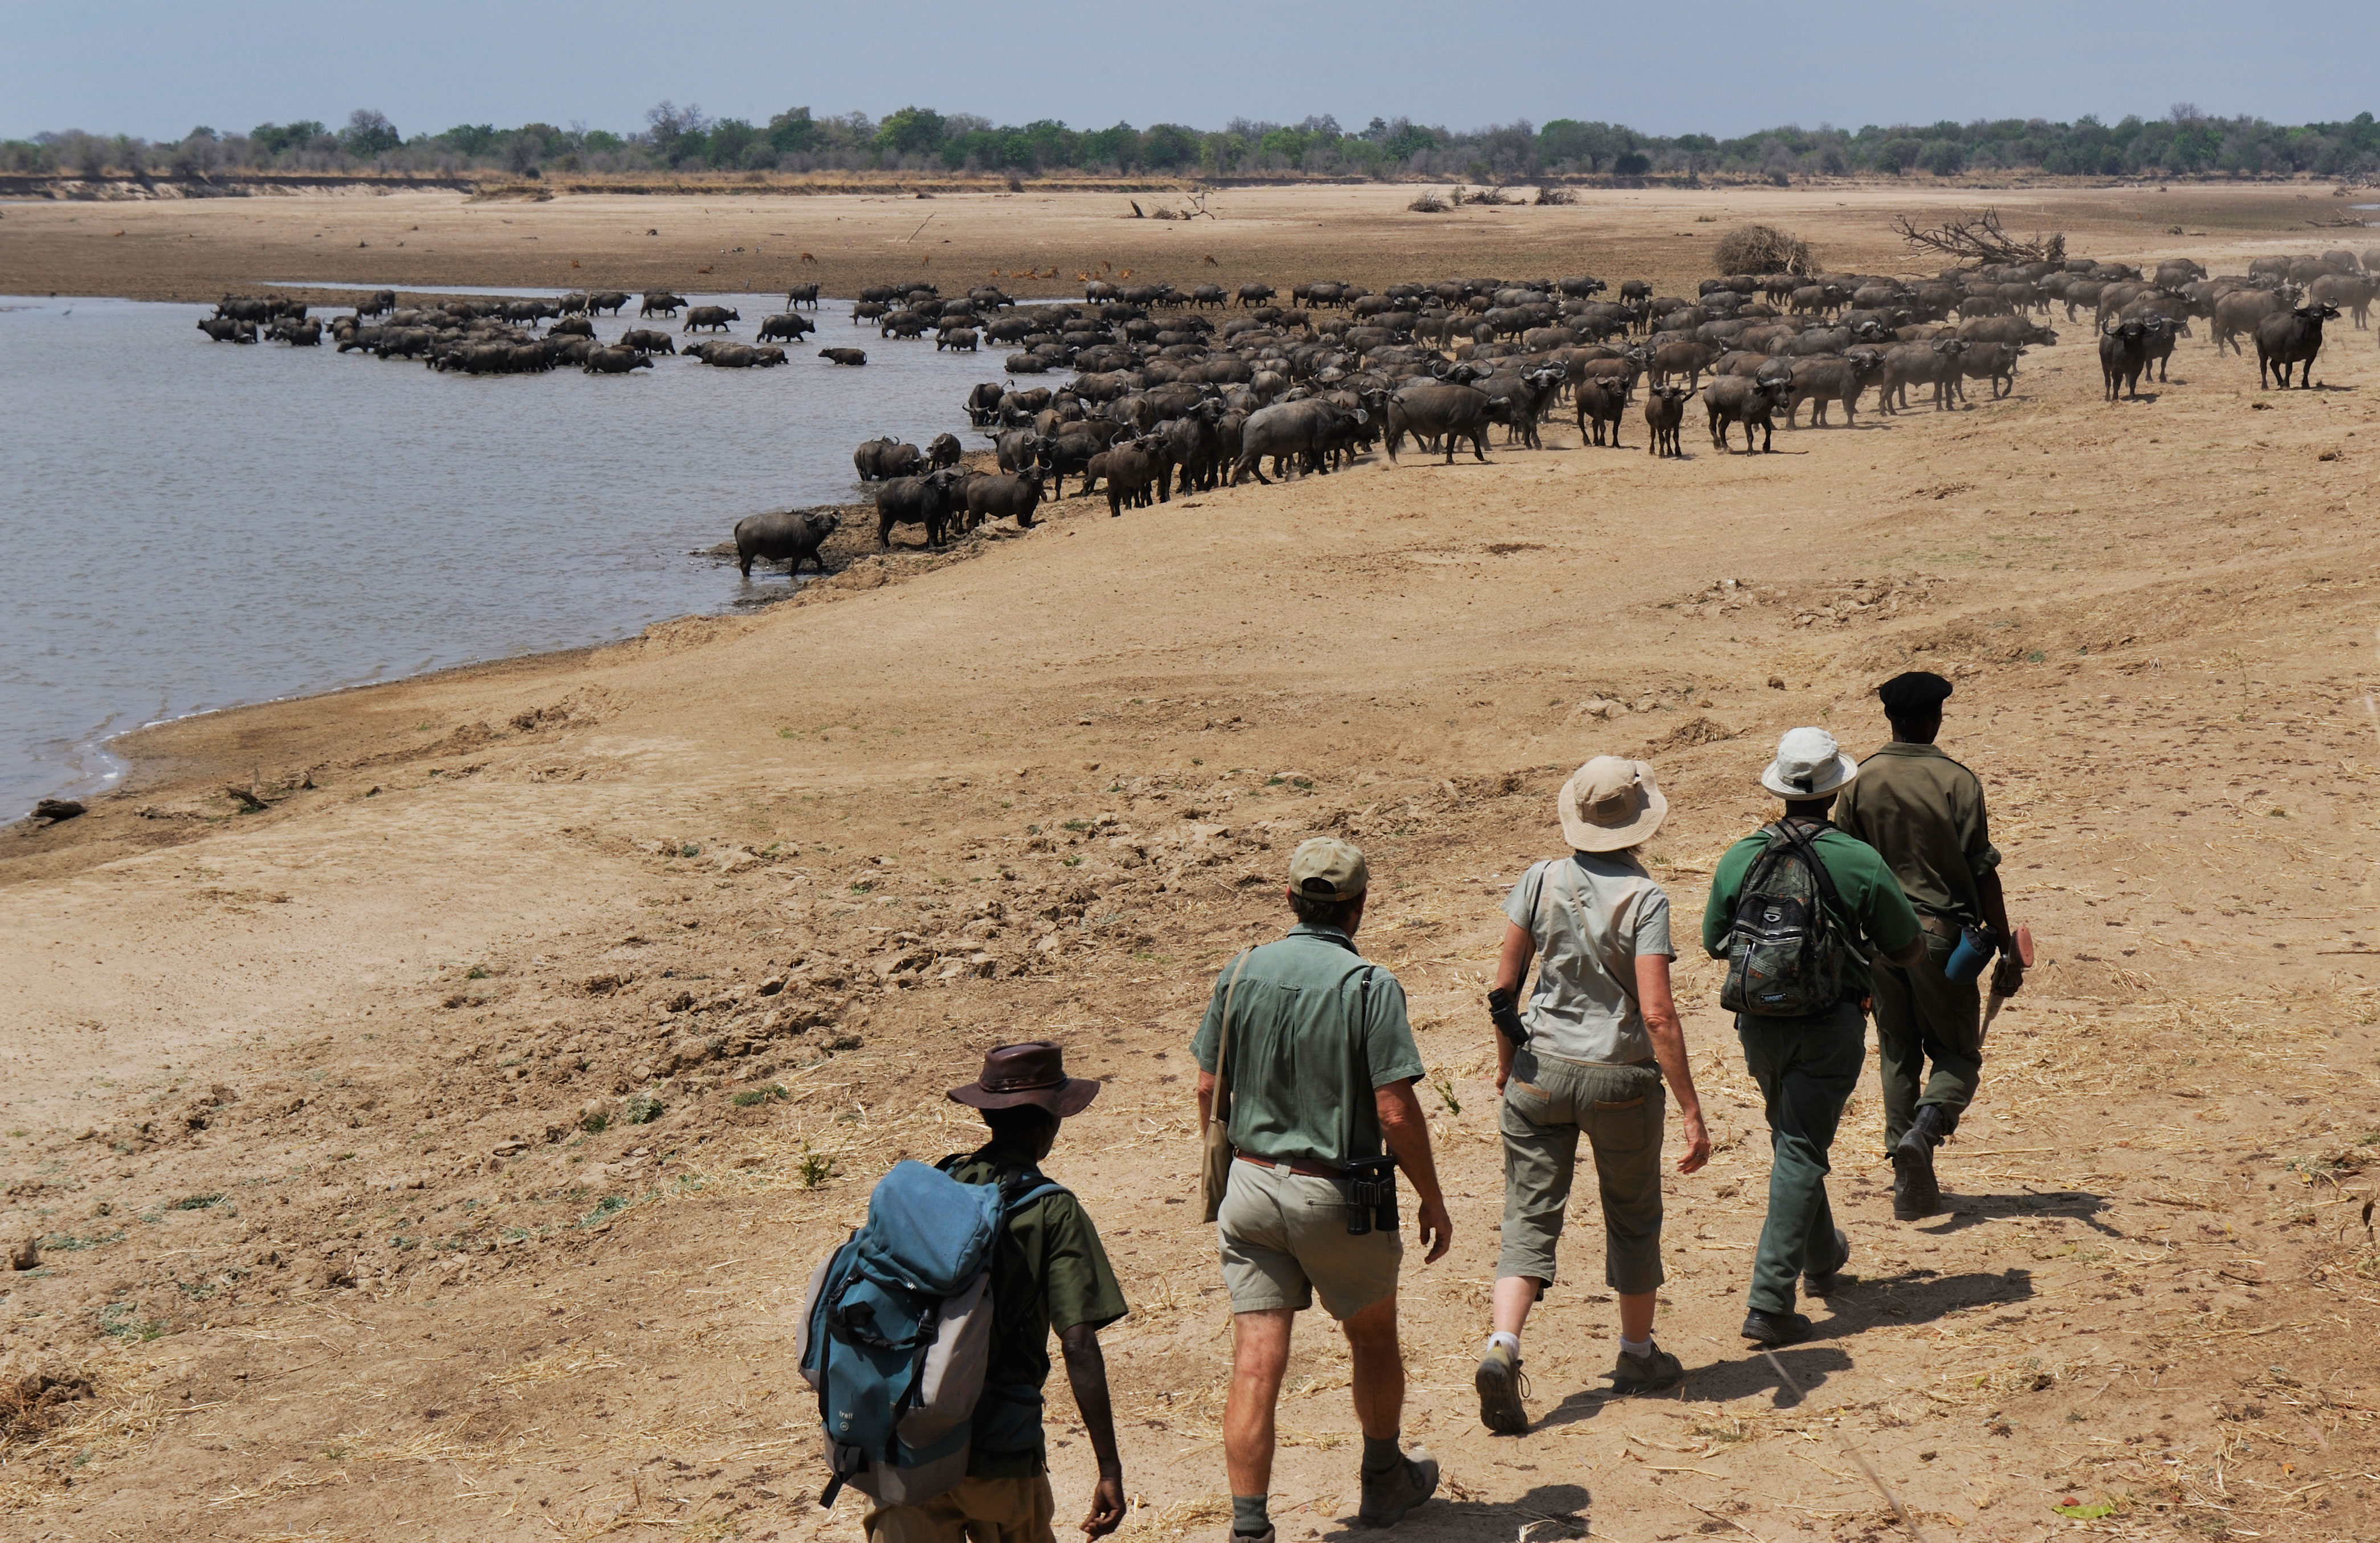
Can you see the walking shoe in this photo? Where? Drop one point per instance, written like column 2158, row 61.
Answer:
column 1774, row 1329
column 1501, row 1388
column 1391, row 1492
column 1268, row 1536
column 1827, row 1282
column 1915, row 1193
column 1648, row 1373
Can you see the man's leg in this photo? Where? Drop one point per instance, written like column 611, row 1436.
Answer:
column 1947, row 1027
column 1393, row 1483
column 1260, row 1355
column 1806, row 1070
column 1951, row 1014
column 1376, row 1367
column 1900, row 1043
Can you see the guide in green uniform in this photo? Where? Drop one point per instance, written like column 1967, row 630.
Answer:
column 1924, row 812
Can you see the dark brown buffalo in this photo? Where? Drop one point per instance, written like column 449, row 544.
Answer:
column 1665, row 410
column 789, row 536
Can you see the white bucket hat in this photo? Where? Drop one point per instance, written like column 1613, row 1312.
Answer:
column 1610, row 804
column 1809, row 764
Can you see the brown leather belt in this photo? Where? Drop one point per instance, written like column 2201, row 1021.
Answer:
column 1296, row 1165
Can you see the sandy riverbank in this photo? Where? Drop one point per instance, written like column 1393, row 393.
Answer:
column 295, row 1092
column 197, row 250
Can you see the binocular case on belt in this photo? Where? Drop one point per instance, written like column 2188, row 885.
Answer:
column 1372, row 1196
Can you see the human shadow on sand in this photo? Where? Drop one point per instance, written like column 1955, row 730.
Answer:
column 1548, row 1511
column 1962, row 1211
column 1810, row 1365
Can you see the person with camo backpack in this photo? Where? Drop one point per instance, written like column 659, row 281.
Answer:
column 1794, row 908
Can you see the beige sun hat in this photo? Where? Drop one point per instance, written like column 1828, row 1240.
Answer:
column 1611, row 804
column 1323, row 868
column 1809, row 764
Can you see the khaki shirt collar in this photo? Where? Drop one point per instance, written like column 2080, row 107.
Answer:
column 1326, row 934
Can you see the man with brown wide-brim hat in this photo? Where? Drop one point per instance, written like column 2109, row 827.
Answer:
column 1048, row 1272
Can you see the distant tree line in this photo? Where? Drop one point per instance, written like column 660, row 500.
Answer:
column 2184, row 142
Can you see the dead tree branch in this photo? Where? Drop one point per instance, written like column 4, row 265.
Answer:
column 1979, row 240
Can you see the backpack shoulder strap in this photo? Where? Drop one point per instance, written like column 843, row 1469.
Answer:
column 1808, row 848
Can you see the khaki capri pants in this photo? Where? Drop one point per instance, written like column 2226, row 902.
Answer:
column 1548, row 1103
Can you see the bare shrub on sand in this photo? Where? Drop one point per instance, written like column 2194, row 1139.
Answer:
column 1762, row 249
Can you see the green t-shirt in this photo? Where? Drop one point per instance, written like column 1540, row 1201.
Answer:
column 1048, row 1275
column 1315, row 1030
column 1925, row 813
column 1872, row 899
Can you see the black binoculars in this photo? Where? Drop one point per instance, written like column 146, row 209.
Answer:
column 1372, row 1196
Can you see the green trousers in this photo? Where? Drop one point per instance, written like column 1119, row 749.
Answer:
column 1806, row 1069
column 1922, row 1015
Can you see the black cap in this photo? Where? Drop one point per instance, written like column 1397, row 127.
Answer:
column 1912, row 695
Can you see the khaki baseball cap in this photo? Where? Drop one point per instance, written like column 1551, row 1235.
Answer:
column 1323, row 868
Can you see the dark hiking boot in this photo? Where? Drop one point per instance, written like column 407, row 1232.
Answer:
column 1648, row 1373
column 1391, row 1492
column 1268, row 1536
column 1501, row 1388
column 1774, row 1329
column 1827, row 1282
column 1915, row 1193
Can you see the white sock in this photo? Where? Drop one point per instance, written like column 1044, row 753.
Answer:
column 1637, row 1348
column 1510, row 1342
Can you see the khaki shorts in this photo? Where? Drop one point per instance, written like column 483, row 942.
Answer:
column 978, row 1510
column 1284, row 1239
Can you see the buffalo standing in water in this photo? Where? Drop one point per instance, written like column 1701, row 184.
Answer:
column 788, row 536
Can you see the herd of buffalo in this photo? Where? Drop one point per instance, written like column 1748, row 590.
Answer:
column 501, row 337
column 1167, row 394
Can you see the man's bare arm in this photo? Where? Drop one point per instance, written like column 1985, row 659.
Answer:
column 1086, row 1374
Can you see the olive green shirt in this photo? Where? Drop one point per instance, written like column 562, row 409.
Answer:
column 1925, row 813
column 1048, row 1275
column 1315, row 1030
column 1872, row 899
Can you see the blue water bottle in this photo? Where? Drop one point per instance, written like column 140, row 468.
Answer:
column 1974, row 950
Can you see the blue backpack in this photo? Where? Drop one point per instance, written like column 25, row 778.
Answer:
column 895, row 1332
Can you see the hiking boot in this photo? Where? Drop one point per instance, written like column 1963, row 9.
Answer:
column 1827, row 1282
column 1268, row 1536
column 1391, row 1492
column 1915, row 1193
column 1501, row 1388
column 1774, row 1329
column 1648, row 1373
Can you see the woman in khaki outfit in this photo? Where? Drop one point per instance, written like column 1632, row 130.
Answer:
column 1589, row 1056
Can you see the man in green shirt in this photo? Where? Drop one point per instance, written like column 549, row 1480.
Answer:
column 1049, row 1272
column 1316, row 1063
column 1807, row 1065
column 1925, row 813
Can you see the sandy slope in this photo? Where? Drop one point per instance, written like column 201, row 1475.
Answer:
column 295, row 1094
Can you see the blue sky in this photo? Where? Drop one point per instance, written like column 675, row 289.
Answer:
column 156, row 69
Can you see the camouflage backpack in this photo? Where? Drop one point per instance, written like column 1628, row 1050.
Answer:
column 1788, row 953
